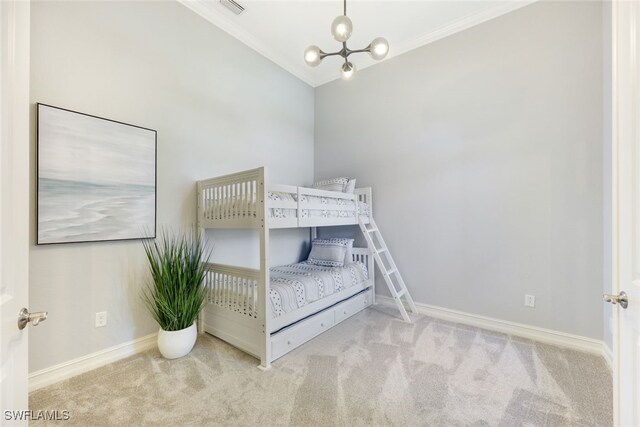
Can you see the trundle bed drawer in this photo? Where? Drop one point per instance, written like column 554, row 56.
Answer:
column 352, row 306
column 292, row 337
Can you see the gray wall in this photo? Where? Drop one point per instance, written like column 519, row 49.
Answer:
column 485, row 154
column 218, row 107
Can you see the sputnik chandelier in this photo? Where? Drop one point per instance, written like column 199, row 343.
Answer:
column 341, row 28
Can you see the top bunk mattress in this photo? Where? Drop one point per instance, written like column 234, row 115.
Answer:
column 318, row 207
column 331, row 207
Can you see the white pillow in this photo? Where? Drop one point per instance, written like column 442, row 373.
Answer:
column 342, row 184
column 329, row 252
column 351, row 186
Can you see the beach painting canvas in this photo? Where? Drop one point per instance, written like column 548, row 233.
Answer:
column 96, row 178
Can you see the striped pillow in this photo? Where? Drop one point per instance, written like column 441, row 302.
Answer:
column 343, row 185
column 329, row 252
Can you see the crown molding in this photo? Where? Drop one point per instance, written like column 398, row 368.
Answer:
column 225, row 23
column 454, row 27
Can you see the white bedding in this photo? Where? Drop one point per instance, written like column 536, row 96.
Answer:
column 336, row 207
column 296, row 285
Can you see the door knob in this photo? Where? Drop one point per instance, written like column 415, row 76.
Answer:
column 25, row 317
column 621, row 299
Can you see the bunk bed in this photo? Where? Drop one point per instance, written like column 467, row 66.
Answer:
column 252, row 309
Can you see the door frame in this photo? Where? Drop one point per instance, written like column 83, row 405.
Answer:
column 625, row 108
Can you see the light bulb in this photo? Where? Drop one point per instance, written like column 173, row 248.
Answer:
column 341, row 28
column 379, row 48
column 312, row 55
column 348, row 71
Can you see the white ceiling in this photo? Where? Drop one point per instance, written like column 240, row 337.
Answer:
column 281, row 30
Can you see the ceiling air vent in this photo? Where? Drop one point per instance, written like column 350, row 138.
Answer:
column 232, row 6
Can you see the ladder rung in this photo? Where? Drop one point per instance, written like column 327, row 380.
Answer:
column 381, row 250
column 390, row 272
column 371, row 230
column 402, row 292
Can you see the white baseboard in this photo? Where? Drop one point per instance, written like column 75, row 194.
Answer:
column 535, row 333
column 100, row 358
column 91, row 361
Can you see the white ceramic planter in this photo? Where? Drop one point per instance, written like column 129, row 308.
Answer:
column 174, row 344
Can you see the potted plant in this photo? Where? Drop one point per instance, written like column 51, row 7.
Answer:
column 175, row 294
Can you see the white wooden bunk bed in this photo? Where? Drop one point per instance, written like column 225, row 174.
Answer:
column 240, row 301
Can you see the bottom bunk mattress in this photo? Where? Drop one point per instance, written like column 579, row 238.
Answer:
column 296, row 292
column 296, row 286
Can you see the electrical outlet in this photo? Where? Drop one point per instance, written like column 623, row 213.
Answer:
column 101, row 319
column 530, row 300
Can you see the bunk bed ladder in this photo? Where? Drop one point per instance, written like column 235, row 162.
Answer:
column 388, row 267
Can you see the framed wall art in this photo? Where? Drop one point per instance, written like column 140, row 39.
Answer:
column 96, row 178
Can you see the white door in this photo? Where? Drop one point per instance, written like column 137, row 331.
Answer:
column 626, row 190
column 14, row 205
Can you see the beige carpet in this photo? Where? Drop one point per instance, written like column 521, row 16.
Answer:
column 372, row 369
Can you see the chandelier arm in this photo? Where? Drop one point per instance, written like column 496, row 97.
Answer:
column 366, row 49
column 324, row 55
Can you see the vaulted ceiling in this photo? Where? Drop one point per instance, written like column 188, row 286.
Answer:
column 281, row 30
